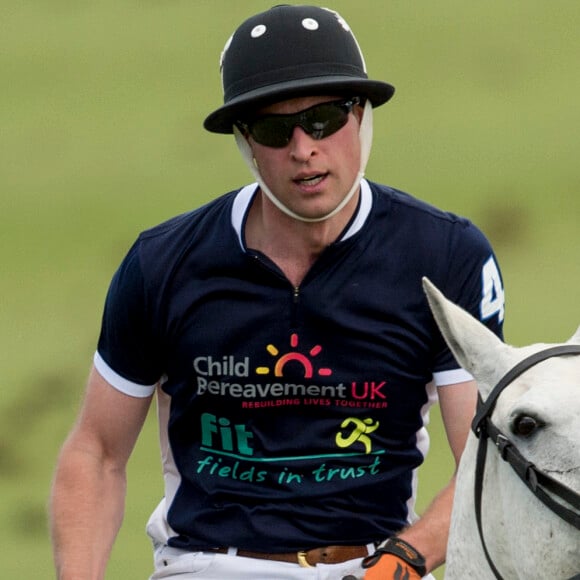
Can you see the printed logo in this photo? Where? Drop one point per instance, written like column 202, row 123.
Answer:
column 360, row 433
column 263, row 385
column 230, row 447
column 294, row 356
column 229, row 454
column 227, row 435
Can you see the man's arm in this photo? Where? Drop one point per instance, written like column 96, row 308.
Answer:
column 429, row 535
column 88, row 494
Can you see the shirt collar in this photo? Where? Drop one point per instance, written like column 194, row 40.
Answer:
column 244, row 198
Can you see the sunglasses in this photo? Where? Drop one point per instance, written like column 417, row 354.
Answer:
column 319, row 121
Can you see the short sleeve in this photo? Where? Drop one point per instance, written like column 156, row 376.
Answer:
column 128, row 354
column 474, row 283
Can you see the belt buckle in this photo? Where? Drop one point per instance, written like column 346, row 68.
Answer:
column 302, row 560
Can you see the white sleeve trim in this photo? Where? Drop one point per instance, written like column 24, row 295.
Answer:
column 451, row 377
column 120, row 383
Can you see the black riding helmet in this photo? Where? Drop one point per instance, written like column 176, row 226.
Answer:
column 291, row 51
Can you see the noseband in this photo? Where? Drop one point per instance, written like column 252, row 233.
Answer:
column 542, row 486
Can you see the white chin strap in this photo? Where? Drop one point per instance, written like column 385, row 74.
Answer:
column 365, row 137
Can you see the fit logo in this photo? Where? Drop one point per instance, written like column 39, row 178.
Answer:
column 219, row 433
column 358, row 432
column 295, row 357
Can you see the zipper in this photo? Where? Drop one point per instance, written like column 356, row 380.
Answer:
column 296, row 294
column 295, row 304
column 295, row 289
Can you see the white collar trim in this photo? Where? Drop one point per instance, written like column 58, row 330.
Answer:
column 244, row 197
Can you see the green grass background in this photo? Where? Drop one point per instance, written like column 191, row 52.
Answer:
column 101, row 105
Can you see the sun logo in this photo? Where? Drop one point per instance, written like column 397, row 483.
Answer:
column 294, row 356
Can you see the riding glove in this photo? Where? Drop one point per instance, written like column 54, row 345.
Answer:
column 394, row 559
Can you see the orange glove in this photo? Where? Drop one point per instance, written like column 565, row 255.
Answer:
column 395, row 559
column 390, row 567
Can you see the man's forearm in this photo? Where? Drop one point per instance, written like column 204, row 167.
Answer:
column 430, row 534
column 86, row 512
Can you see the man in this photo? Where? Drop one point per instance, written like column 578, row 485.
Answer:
column 285, row 333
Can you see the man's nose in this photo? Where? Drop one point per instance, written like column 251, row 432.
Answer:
column 302, row 145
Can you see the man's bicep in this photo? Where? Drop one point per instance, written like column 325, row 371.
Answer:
column 457, row 403
column 110, row 421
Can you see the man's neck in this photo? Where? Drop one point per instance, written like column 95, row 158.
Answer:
column 294, row 246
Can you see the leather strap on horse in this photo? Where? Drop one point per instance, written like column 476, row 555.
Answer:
column 535, row 480
column 484, row 410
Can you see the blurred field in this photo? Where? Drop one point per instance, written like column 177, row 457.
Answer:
column 100, row 136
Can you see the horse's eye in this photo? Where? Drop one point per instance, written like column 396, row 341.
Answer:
column 524, row 425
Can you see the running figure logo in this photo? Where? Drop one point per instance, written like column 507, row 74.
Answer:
column 362, row 427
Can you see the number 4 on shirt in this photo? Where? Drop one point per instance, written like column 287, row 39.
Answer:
column 492, row 293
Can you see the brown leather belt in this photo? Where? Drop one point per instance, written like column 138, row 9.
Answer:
column 306, row 558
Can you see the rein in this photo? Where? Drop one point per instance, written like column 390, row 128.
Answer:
column 542, row 486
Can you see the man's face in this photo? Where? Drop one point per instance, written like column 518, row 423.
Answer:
column 309, row 176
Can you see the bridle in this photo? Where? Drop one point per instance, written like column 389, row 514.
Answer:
column 542, row 485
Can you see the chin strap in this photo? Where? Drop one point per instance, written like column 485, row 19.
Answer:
column 365, row 137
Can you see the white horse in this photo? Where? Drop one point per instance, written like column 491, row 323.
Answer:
column 539, row 413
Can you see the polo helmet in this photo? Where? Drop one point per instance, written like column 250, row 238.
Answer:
column 291, row 51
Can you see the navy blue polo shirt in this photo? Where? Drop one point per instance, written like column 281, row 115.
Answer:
column 292, row 417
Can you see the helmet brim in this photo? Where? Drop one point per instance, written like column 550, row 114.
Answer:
column 222, row 120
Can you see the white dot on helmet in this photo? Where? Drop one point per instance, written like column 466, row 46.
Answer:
column 258, row 30
column 310, row 24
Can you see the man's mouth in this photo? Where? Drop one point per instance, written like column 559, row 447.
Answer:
column 311, row 179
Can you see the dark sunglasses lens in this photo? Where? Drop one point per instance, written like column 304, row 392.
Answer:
column 319, row 122
column 272, row 131
column 325, row 120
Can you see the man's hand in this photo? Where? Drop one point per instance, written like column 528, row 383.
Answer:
column 394, row 559
column 390, row 567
